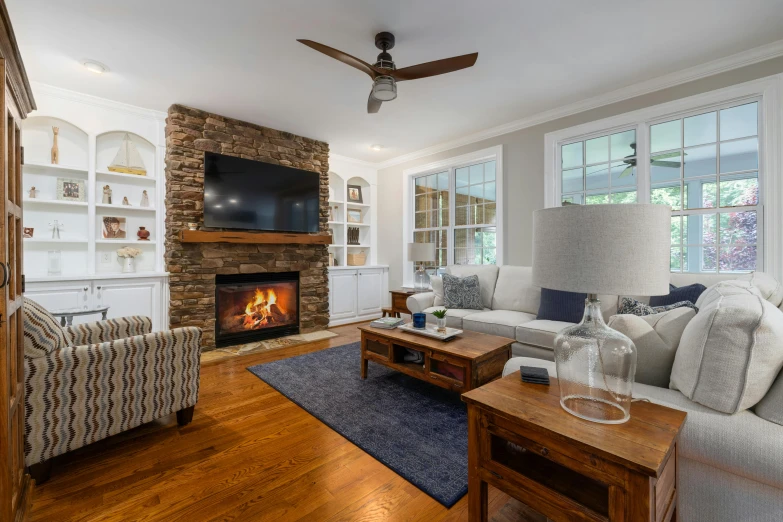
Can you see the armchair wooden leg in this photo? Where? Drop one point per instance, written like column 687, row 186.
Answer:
column 184, row 416
column 40, row 472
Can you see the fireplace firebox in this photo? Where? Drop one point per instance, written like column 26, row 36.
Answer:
column 253, row 307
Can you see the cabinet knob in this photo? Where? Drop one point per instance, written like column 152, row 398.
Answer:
column 86, row 288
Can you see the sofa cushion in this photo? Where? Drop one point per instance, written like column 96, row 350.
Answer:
column 496, row 322
column 724, row 288
column 453, row 315
column 629, row 305
column 676, row 295
column 769, row 287
column 557, row 305
column 462, row 292
column 42, row 332
column 515, row 290
column 656, row 338
column 742, row 444
column 488, row 277
column 731, row 352
column 540, row 332
column 771, row 406
column 436, row 282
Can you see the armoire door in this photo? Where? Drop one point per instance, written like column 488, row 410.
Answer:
column 16, row 101
column 15, row 485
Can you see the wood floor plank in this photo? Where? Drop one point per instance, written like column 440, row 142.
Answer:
column 249, row 454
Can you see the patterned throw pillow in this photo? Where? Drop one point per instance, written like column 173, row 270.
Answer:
column 42, row 333
column 462, row 292
column 677, row 295
column 632, row 306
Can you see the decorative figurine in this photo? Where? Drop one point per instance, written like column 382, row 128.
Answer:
column 56, row 226
column 125, row 201
column 145, row 200
column 106, row 195
column 55, row 147
column 33, row 192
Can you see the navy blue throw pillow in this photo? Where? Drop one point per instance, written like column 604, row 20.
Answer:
column 557, row 305
column 684, row 293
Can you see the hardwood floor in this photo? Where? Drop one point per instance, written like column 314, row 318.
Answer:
column 249, row 454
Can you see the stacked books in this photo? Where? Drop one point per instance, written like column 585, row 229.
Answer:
column 387, row 323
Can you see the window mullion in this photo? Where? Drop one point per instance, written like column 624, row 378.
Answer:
column 643, row 181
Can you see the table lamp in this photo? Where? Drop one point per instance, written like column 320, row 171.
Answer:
column 421, row 253
column 607, row 249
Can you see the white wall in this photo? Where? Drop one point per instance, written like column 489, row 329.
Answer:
column 523, row 161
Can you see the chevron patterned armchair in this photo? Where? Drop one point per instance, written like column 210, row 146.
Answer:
column 87, row 382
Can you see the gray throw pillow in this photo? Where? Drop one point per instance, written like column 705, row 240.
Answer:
column 631, row 306
column 462, row 292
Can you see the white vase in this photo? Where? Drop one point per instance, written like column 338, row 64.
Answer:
column 441, row 323
column 128, row 265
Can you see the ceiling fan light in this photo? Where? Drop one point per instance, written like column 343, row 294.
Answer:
column 384, row 89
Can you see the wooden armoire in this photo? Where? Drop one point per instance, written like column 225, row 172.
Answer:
column 16, row 101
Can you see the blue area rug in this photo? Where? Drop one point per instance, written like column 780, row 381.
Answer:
column 415, row 428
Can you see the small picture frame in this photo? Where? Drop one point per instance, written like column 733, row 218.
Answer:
column 71, row 190
column 114, row 228
column 27, row 232
column 354, row 216
column 355, row 194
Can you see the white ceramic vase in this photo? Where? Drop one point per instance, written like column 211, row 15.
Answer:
column 128, row 265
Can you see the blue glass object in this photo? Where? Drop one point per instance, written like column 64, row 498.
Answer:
column 419, row 320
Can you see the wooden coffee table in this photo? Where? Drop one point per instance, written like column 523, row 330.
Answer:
column 461, row 364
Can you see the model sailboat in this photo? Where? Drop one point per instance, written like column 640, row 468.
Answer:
column 128, row 160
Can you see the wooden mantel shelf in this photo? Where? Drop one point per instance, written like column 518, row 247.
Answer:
column 206, row 236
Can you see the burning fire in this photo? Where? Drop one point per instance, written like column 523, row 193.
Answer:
column 260, row 309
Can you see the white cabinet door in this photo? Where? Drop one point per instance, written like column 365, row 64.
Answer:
column 58, row 296
column 130, row 297
column 342, row 293
column 370, row 291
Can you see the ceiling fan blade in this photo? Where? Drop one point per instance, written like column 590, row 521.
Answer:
column 670, row 164
column 667, row 155
column 373, row 105
column 343, row 57
column 424, row 70
column 626, row 172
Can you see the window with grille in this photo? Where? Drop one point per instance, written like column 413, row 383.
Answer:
column 456, row 209
column 704, row 164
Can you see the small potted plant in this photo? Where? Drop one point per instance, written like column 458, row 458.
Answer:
column 128, row 254
column 440, row 318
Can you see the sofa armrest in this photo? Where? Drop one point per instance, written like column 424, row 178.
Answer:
column 420, row 302
column 109, row 330
column 82, row 394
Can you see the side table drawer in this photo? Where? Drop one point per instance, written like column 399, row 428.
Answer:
column 400, row 303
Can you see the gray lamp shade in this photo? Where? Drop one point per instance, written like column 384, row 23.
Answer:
column 421, row 252
column 603, row 249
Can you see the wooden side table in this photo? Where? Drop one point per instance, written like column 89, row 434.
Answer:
column 522, row 442
column 399, row 300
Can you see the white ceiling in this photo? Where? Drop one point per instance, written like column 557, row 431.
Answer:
column 240, row 58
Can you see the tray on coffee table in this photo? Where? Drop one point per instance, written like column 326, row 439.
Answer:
column 431, row 331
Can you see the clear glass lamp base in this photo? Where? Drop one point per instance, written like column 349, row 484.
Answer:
column 421, row 279
column 595, row 368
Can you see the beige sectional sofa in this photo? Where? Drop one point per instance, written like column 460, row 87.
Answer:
column 730, row 466
column 511, row 305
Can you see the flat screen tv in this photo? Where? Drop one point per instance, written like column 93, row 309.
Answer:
column 252, row 195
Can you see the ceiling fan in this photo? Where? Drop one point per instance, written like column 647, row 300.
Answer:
column 655, row 161
column 385, row 74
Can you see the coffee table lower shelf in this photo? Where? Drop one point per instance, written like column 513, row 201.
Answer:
column 444, row 364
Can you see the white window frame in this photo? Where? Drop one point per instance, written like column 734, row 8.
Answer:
column 451, row 164
column 767, row 91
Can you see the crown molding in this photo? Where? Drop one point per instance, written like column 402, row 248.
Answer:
column 354, row 161
column 65, row 94
column 734, row 61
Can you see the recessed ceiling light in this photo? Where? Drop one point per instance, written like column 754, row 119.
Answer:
column 218, row 206
column 376, row 147
column 95, row 67
column 232, row 200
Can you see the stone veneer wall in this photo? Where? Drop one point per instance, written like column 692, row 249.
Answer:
column 193, row 266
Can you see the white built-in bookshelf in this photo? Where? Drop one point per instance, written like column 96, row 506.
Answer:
column 84, row 159
column 348, row 214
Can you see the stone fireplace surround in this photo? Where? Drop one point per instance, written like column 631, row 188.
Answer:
column 193, row 266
